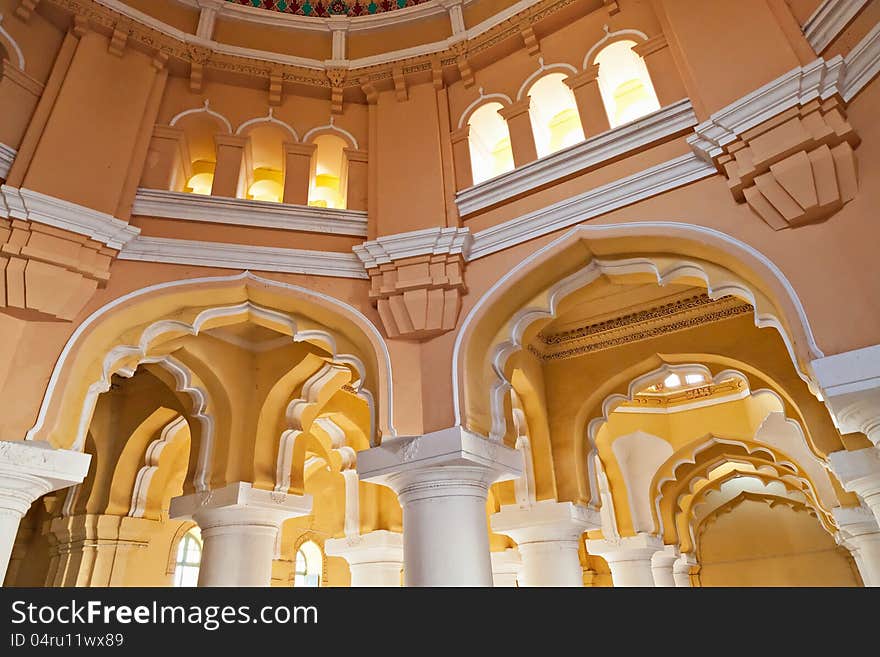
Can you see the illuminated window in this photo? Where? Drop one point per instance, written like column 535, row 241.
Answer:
column 625, row 84
column 267, row 186
column 265, row 179
column 329, row 183
column 489, row 142
column 189, row 556
column 553, row 111
column 694, row 379
column 672, row 381
column 202, row 179
column 309, row 565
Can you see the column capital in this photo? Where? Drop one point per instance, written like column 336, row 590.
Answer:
column 239, row 503
column 652, row 45
column 854, row 522
column 437, row 464
column 590, row 74
column 380, row 546
column 236, row 141
column 461, row 134
column 519, row 107
column 546, row 520
column 29, row 469
column 666, row 556
column 354, row 154
column 641, row 547
column 858, row 470
column 850, row 383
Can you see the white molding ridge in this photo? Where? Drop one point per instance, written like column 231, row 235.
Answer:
column 862, row 63
column 243, row 256
column 7, row 155
column 242, row 212
column 829, row 20
column 850, row 383
column 655, row 180
column 40, row 208
column 663, row 123
column 433, row 241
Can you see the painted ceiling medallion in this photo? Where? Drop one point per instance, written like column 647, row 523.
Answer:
column 330, row 7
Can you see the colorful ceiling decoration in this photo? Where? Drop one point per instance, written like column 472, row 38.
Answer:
column 330, row 7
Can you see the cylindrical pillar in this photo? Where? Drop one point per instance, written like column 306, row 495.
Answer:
column 374, row 559
column 681, row 570
column 662, row 565
column 591, row 108
column 505, row 568
column 629, row 558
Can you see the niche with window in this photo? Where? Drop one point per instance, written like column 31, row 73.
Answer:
column 265, row 180
column 189, row 557
column 553, row 111
column 309, row 565
column 489, row 143
column 328, row 184
column 625, row 83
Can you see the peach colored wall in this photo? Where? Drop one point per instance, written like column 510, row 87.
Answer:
column 863, row 23
column 398, row 37
column 171, row 12
column 38, row 39
column 315, row 45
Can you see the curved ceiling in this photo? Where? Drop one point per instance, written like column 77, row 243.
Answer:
column 323, row 8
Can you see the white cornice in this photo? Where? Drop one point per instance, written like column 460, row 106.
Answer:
column 7, row 154
column 434, row 241
column 663, row 123
column 243, row 256
column 577, row 209
column 862, row 63
column 828, row 21
column 241, row 212
column 679, row 408
column 33, row 206
column 818, row 79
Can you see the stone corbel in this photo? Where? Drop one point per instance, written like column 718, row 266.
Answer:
column 417, row 280
column 276, row 88
column 118, row 39
column 850, row 383
column 399, row 84
column 336, row 75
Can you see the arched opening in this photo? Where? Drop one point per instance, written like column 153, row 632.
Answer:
column 556, row 123
column 309, row 565
column 200, row 128
column 189, row 558
column 329, row 179
column 489, row 143
column 266, row 176
column 625, row 83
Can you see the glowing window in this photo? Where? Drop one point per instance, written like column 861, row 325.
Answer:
column 625, row 84
column 694, row 379
column 553, row 111
column 489, row 143
column 189, row 556
column 672, row 381
column 202, row 179
column 329, row 183
column 267, row 186
column 309, row 565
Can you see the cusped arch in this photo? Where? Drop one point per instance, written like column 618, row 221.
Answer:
column 270, row 119
column 204, row 109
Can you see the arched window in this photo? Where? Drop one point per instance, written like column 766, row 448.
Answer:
column 266, row 176
column 309, row 565
column 554, row 114
column 489, row 142
column 625, row 84
column 189, row 556
column 200, row 128
column 329, row 184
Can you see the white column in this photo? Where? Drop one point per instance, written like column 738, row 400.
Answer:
column 505, row 567
column 548, row 535
column 239, row 527
column 374, row 559
column 442, row 480
column 629, row 558
column 860, row 535
column 859, row 473
column 681, row 570
column 663, row 564
column 29, row 469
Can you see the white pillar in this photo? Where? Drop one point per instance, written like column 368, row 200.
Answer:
column 239, row 527
column 860, row 535
column 505, row 567
column 548, row 535
column 859, row 473
column 681, row 570
column 663, row 564
column 629, row 558
column 29, row 469
column 442, row 480
column 374, row 559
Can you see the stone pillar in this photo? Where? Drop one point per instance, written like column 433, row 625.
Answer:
column 229, row 171
column 859, row 473
column 661, row 67
column 591, row 107
column 505, row 567
column 461, row 155
column 29, row 469
column 548, row 536
column 239, row 525
column 374, row 559
column 167, row 164
column 859, row 533
column 519, row 125
column 662, row 565
column 681, row 570
column 629, row 558
column 356, row 194
column 297, row 172
column 442, row 480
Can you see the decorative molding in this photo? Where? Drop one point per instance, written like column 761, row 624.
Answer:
column 663, row 123
column 204, row 109
column 829, row 20
column 243, row 256
column 609, row 38
column 43, row 209
column 242, row 212
column 7, row 155
column 430, row 241
column 663, row 177
column 862, row 64
column 271, row 119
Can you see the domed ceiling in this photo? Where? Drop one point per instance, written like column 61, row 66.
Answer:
column 330, row 7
